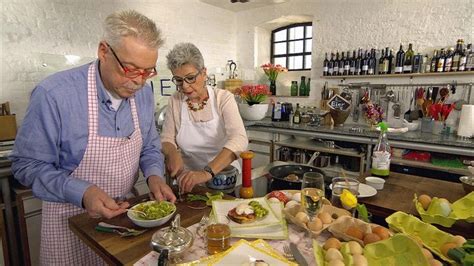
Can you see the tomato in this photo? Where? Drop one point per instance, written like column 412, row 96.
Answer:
column 279, row 195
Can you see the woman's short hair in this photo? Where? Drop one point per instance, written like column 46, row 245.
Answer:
column 131, row 23
column 184, row 53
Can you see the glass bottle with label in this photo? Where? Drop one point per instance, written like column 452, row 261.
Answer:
column 297, row 115
column 381, row 155
column 331, row 65
column 325, row 65
column 441, row 60
column 294, row 88
column 434, row 61
column 302, row 91
column 400, row 60
column 408, row 63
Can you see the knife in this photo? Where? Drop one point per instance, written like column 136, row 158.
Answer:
column 297, row 255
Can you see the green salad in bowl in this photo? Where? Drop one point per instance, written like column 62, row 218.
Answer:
column 155, row 213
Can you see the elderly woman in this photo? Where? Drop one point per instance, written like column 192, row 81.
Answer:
column 203, row 132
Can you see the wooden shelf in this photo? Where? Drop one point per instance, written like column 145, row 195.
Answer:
column 289, row 96
column 411, row 75
column 311, row 145
column 425, row 165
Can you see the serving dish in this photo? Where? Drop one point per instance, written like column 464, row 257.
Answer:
column 140, row 221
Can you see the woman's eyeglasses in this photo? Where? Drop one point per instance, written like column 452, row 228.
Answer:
column 178, row 81
column 133, row 73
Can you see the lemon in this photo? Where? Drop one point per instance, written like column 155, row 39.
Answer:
column 348, row 199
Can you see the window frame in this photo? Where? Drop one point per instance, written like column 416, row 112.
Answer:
column 287, row 54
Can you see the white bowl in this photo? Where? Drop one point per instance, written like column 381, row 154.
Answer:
column 375, row 182
column 149, row 223
column 253, row 113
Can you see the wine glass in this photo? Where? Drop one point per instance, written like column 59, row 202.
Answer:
column 312, row 193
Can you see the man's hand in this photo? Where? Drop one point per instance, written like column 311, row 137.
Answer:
column 98, row 204
column 160, row 190
column 188, row 180
column 174, row 164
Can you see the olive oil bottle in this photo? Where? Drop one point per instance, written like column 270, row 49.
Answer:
column 381, row 155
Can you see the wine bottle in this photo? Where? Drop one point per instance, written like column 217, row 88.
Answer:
column 434, row 61
column 426, row 64
column 347, row 64
column 457, row 55
column 331, row 65
column 341, row 64
column 381, row 65
column 365, row 64
column 336, row 65
column 408, row 63
column 469, row 58
column 417, row 63
column 352, row 67
column 441, row 59
column 325, row 65
column 388, row 62
column 448, row 61
column 297, row 115
column 308, row 87
column 463, row 60
column 302, row 91
column 294, row 88
column 400, row 59
column 358, row 66
column 372, row 62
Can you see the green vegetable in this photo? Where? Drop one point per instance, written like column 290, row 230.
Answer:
column 457, row 254
column 154, row 210
column 208, row 198
column 468, row 260
column 362, row 212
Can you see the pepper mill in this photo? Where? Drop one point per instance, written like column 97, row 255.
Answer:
column 246, row 191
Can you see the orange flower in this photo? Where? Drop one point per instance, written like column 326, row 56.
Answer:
column 272, row 70
column 254, row 94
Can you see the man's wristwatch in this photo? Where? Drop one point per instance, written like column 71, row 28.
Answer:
column 209, row 170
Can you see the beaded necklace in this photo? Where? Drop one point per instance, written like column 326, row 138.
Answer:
column 196, row 106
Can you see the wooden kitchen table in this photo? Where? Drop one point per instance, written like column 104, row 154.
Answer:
column 398, row 193
column 116, row 250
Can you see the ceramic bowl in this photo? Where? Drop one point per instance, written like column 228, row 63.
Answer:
column 149, row 223
column 375, row 182
column 224, row 180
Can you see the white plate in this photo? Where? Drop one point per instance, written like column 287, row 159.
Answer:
column 365, row 191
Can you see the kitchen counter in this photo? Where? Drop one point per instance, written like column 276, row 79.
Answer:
column 363, row 134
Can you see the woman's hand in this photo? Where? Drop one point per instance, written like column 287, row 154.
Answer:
column 174, row 164
column 189, row 179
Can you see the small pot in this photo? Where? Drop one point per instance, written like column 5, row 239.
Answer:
column 224, row 180
column 277, row 175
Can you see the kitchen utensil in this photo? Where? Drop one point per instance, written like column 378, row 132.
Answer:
column 443, row 93
column 396, row 107
column 232, row 69
column 428, row 102
column 297, row 255
column 322, row 161
column 287, row 253
column 121, row 230
column 313, row 157
column 277, row 176
column 137, row 211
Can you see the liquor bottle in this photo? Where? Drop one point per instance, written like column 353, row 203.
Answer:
column 408, row 63
column 426, row 64
column 331, row 65
column 347, row 64
column 302, row 91
column 352, row 67
column 325, row 65
column 372, row 62
column 294, row 88
column 297, row 115
column 457, row 55
column 441, row 60
column 400, row 59
column 336, row 65
column 448, row 61
column 388, row 61
column 434, row 61
column 462, row 60
column 381, row 154
column 308, row 87
column 358, row 66
column 365, row 64
column 341, row 64
column 469, row 58
column 381, row 60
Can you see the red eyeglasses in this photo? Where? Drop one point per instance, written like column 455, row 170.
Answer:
column 129, row 73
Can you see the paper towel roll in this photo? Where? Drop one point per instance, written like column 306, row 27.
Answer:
column 466, row 121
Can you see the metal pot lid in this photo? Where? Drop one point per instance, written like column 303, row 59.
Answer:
column 174, row 238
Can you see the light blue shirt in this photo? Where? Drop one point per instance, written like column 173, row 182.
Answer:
column 52, row 140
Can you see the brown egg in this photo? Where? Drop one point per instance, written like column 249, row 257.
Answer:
column 332, row 243
column 425, row 201
column 371, row 238
column 325, row 217
column 434, row 262
column 355, row 232
column 427, row 253
column 315, row 224
column 459, row 240
column 302, row 217
column 447, row 246
column 382, row 232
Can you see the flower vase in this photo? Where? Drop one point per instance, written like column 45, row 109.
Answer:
column 253, row 112
column 273, row 87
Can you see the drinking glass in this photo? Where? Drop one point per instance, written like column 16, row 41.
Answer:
column 312, row 193
column 338, row 185
column 218, row 235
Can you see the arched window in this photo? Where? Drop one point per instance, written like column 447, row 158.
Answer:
column 291, row 46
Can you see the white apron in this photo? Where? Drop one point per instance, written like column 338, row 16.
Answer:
column 108, row 162
column 200, row 142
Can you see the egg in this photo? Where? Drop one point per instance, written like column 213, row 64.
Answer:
column 445, row 207
column 291, row 203
column 371, row 238
column 360, row 260
column 332, row 243
column 325, row 217
column 333, row 254
column 355, row 232
column 302, row 217
column 354, row 248
column 434, row 262
column 425, row 201
column 458, row 240
column 427, row 253
column 335, row 263
column 274, row 200
column 315, row 225
column 447, row 246
column 296, row 197
column 381, row 232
